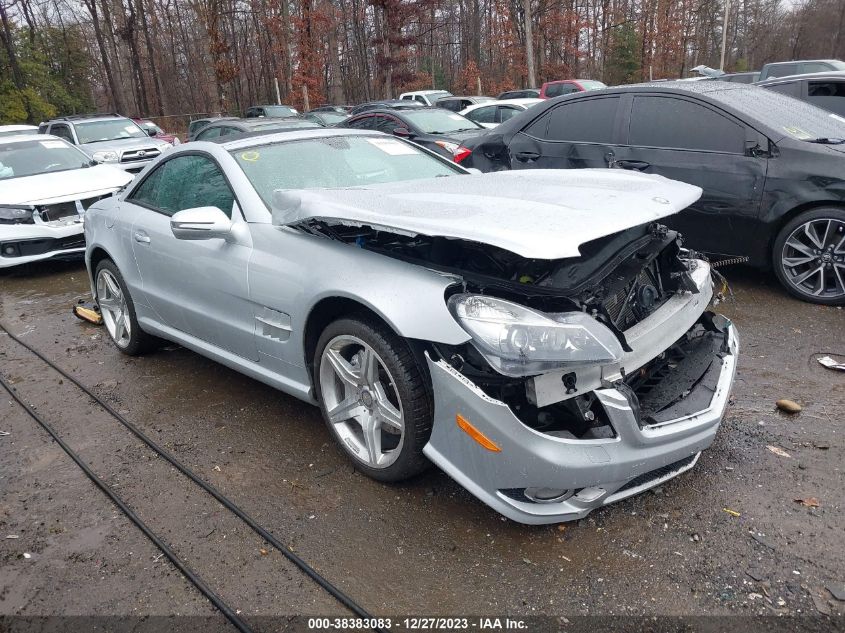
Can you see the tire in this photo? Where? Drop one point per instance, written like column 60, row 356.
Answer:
column 354, row 401
column 809, row 256
column 119, row 310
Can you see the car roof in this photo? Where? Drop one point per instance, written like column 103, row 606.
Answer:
column 425, row 92
column 20, row 138
column 294, row 135
column 72, row 118
column 827, row 74
column 801, row 61
column 17, row 126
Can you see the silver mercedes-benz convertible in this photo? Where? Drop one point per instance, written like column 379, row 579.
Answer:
column 538, row 335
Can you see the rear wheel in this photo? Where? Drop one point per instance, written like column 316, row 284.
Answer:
column 809, row 256
column 374, row 396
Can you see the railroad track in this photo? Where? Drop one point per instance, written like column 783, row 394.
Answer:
column 231, row 614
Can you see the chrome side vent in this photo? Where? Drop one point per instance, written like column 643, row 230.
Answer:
column 273, row 324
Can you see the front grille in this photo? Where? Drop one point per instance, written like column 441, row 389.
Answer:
column 53, row 212
column 135, row 155
column 636, row 300
column 657, row 473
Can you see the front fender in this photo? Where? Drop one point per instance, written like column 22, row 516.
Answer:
column 292, row 272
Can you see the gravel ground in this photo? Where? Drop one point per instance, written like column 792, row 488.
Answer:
column 424, row 547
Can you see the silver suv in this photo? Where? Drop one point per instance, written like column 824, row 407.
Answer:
column 107, row 138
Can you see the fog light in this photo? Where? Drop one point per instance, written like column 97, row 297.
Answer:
column 547, row 495
column 10, row 250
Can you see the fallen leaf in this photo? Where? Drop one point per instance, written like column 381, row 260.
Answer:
column 561, row 527
column 810, row 502
column 263, row 551
column 778, row 451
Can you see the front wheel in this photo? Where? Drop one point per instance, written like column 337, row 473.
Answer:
column 374, row 396
column 118, row 311
column 809, row 256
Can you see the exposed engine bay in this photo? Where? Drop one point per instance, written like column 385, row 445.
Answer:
column 619, row 280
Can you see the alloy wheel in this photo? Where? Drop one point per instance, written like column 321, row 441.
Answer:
column 813, row 258
column 361, row 401
column 113, row 308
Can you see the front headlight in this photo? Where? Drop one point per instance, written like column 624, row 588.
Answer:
column 519, row 341
column 16, row 215
column 106, row 157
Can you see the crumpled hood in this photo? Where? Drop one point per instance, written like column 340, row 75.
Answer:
column 61, row 186
column 540, row 214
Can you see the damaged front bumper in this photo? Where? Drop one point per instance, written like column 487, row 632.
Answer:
column 26, row 243
column 660, row 424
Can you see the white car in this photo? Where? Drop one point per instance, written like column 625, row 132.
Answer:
column 491, row 113
column 46, row 184
column 425, row 97
column 14, row 130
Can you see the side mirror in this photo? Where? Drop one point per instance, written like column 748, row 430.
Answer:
column 200, row 223
column 402, row 132
column 151, row 131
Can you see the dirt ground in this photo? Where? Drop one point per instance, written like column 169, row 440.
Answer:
column 425, row 547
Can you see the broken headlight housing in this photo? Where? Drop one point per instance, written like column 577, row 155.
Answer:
column 16, row 215
column 519, row 341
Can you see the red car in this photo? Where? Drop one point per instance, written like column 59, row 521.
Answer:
column 552, row 89
column 153, row 130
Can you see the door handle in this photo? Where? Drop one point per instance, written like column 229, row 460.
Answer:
column 635, row 165
column 141, row 237
column 526, row 157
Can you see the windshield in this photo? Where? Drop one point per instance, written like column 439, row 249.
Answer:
column 336, row 161
column 788, row 116
column 589, row 84
column 332, row 117
column 109, row 130
column 279, row 111
column 439, row 121
column 29, row 158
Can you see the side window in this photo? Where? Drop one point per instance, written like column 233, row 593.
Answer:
column 183, row 183
column 829, row 95
column 583, row 121
column 486, row 114
column 364, row 123
column 407, row 98
column 209, row 133
column 556, row 90
column 782, row 70
column 384, row 123
column 506, row 112
column 62, row 131
column 815, row 67
column 679, row 124
column 792, row 89
column 421, row 99
column 42, row 128
column 449, row 104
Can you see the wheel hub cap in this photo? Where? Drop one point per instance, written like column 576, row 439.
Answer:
column 813, row 258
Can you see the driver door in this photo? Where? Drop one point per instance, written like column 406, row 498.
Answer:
column 196, row 287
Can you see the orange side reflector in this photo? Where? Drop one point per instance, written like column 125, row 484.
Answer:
column 475, row 434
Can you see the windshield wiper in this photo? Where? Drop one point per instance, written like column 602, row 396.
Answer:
column 99, row 140
column 827, row 141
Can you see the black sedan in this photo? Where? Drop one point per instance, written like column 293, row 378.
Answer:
column 436, row 129
column 227, row 127
column 772, row 168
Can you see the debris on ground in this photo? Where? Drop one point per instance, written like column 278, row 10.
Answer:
column 27, row 555
column 733, row 513
column 828, row 362
column 263, row 551
column 837, row 590
column 88, row 311
column 778, row 451
column 821, row 605
column 788, row 406
column 4, row 433
column 810, row 502
column 12, row 536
